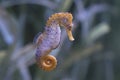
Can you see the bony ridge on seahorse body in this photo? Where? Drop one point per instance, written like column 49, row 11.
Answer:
column 50, row 38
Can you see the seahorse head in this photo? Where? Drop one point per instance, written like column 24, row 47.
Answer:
column 66, row 21
column 63, row 19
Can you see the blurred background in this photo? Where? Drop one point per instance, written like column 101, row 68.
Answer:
column 93, row 55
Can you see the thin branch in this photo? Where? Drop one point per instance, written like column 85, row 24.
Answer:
column 86, row 16
column 45, row 3
column 6, row 23
column 24, row 70
column 8, row 37
column 80, row 55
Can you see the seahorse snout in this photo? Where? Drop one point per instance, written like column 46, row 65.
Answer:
column 70, row 36
column 69, row 32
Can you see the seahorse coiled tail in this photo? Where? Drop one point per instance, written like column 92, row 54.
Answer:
column 50, row 39
column 47, row 62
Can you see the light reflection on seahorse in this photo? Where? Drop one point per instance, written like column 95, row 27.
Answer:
column 50, row 38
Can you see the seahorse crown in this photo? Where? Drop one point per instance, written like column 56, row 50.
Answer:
column 63, row 19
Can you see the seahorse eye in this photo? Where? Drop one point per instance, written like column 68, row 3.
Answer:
column 65, row 20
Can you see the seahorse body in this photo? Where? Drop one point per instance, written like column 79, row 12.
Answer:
column 50, row 39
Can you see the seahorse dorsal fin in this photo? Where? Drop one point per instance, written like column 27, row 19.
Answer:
column 35, row 40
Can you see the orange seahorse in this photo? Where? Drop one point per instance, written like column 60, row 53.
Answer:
column 50, row 38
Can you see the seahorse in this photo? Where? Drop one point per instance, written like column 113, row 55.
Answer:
column 50, row 39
